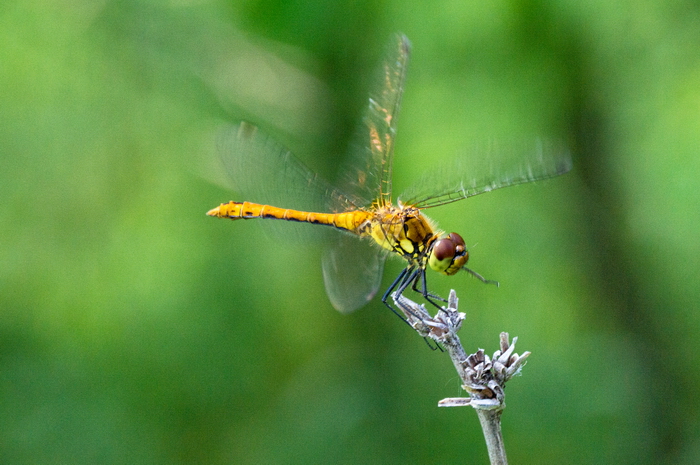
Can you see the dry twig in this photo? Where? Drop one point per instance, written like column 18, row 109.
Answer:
column 483, row 377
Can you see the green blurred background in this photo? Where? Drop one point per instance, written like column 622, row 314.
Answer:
column 134, row 329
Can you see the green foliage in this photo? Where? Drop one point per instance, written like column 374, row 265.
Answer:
column 134, row 329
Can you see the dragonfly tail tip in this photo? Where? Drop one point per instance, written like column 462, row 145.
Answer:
column 214, row 212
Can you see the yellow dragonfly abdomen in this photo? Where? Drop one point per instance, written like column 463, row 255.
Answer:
column 351, row 221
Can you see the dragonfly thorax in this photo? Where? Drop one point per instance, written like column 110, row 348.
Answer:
column 405, row 231
column 400, row 229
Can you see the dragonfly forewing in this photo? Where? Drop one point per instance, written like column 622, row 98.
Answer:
column 367, row 171
column 488, row 166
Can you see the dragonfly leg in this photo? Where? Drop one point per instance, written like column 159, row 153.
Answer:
column 391, row 288
column 407, row 276
column 429, row 296
column 411, row 279
column 481, row 278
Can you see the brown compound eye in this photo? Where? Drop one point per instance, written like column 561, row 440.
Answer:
column 458, row 242
column 445, row 249
column 449, row 254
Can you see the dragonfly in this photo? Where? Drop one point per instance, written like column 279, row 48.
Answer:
column 360, row 204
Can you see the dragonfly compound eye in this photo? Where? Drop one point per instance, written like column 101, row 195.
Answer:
column 459, row 242
column 449, row 254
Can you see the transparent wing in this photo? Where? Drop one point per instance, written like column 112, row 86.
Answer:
column 352, row 269
column 489, row 166
column 263, row 171
column 366, row 174
column 352, row 272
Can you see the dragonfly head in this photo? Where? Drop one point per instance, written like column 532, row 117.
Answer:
column 448, row 254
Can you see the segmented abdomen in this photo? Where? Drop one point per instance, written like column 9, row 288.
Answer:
column 349, row 221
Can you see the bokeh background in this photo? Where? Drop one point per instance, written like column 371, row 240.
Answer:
column 134, row 329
